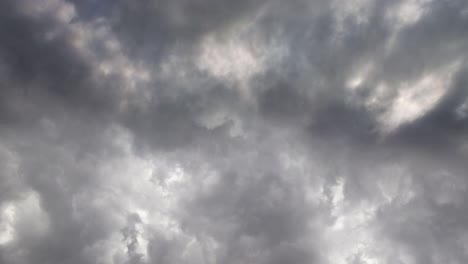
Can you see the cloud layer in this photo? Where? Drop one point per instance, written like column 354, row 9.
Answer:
column 251, row 131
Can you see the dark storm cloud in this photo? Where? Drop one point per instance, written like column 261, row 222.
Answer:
column 233, row 131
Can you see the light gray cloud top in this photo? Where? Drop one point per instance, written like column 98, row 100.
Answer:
column 233, row 132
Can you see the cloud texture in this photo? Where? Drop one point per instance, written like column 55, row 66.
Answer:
column 251, row 131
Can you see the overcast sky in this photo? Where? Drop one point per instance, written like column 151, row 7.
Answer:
column 233, row 132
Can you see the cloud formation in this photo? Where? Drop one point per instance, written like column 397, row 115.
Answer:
column 251, row 131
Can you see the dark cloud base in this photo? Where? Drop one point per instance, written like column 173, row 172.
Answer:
column 250, row 131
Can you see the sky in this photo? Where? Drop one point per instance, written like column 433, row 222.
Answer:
column 233, row 132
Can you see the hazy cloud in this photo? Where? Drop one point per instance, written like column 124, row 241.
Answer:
column 248, row 131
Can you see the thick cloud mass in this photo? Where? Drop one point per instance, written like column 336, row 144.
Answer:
column 233, row 132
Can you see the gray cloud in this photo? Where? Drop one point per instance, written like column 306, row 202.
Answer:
column 233, row 132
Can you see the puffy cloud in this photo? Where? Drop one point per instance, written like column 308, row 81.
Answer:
column 233, row 131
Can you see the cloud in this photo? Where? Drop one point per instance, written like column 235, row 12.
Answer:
column 233, row 131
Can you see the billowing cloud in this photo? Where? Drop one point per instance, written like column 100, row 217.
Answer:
column 251, row 131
